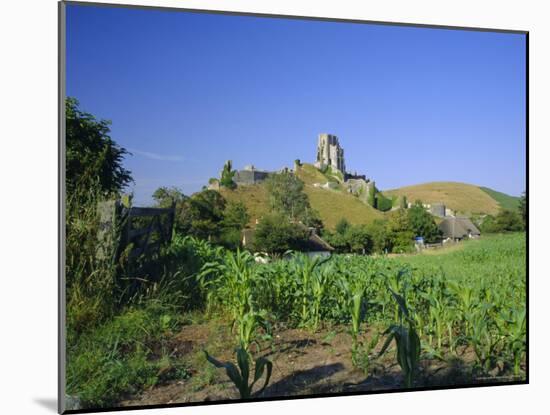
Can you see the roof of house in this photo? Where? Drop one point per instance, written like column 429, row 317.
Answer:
column 457, row 227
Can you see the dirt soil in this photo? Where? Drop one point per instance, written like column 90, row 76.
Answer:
column 304, row 363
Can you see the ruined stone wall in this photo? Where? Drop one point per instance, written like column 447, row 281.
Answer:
column 250, row 176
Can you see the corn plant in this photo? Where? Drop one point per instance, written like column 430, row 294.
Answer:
column 247, row 325
column 512, row 327
column 304, row 268
column 240, row 374
column 406, row 340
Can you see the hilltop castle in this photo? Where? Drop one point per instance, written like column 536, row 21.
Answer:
column 329, row 153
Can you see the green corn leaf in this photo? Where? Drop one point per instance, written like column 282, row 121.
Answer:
column 262, row 364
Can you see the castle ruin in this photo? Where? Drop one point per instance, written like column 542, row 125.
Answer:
column 329, row 153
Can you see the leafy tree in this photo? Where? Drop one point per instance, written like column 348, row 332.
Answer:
column 275, row 235
column 286, row 195
column 488, row 225
column 226, row 179
column 203, row 214
column 311, row 218
column 358, row 239
column 505, row 221
column 93, row 158
column 166, row 197
column 422, row 223
column 342, row 226
column 508, row 221
column 235, row 216
column 378, row 231
column 403, row 202
column 383, row 203
column 400, row 235
column 523, row 208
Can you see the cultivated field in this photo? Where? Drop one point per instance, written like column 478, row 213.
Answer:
column 350, row 323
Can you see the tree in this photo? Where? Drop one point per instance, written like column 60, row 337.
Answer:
column 383, row 203
column 508, row 221
column 400, row 235
column 522, row 208
column 275, row 235
column 203, row 214
column 166, row 197
column 235, row 216
column 342, row 226
column 505, row 221
column 378, row 231
column 403, row 202
column 93, row 158
column 311, row 218
column 422, row 223
column 358, row 239
column 226, row 177
column 286, row 195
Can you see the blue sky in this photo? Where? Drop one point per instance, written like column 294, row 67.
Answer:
column 187, row 91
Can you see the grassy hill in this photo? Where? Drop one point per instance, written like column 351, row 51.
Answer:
column 461, row 197
column 335, row 204
column 332, row 205
column 504, row 200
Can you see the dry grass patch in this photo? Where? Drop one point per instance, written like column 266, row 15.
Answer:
column 461, row 197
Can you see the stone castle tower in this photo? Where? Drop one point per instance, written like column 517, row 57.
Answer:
column 329, row 153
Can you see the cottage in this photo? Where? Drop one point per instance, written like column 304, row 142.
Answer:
column 457, row 228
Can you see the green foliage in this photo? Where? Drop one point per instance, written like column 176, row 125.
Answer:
column 383, row 203
column 522, row 208
column 114, row 359
column 504, row 221
column 379, row 235
column 93, row 159
column 286, row 195
column 276, row 235
column 400, row 235
column 422, row 223
column 342, row 226
column 406, row 339
column 372, row 196
column 202, row 215
column 240, row 374
column 167, row 197
column 349, row 238
column 227, row 174
column 235, row 218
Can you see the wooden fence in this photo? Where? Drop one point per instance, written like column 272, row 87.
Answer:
column 134, row 231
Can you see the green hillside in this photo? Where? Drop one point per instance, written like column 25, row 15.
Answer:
column 332, row 205
column 504, row 200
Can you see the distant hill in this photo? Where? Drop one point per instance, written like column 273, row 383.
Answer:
column 335, row 204
column 332, row 205
column 461, row 197
column 505, row 201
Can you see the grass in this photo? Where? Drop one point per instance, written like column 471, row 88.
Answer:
column 461, row 197
column 334, row 205
column 504, row 200
column 487, row 258
column 254, row 197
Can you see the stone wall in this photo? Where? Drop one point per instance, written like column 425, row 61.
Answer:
column 250, row 176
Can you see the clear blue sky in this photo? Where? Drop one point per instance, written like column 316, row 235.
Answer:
column 187, row 91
